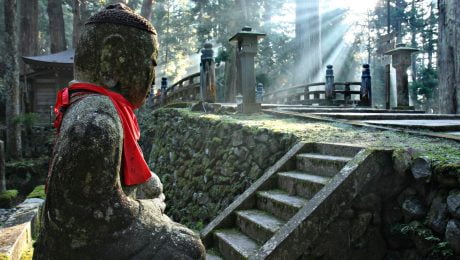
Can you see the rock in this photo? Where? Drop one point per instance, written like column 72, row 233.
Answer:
column 413, row 209
column 453, row 203
column 241, row 153
column 369, row 201
column 255, row 172
column 437, row 216
column 360, row 225
column 402, row 159
column 453, row 235
column 263, row 138
column 421, row 168
column 206, row 107
column 237, row 138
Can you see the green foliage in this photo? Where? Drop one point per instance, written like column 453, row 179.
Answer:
column 424, row 86
column 415, row 228
column 7, row 197
column 38, row 192
column 27, row 119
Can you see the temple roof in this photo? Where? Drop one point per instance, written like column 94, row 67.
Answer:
column 60, row 59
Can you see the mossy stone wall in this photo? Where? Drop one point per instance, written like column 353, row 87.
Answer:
column 204, row 163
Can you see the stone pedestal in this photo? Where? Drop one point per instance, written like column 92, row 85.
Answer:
column 246, row 44
column 401, row 60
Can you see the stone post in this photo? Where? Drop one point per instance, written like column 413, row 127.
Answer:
column 329, row 88
column 2, row 167
column 164, row 93
column 260, row 93
column 401, row 60
column 365, row 93
column 246, row 42
column 207, row 74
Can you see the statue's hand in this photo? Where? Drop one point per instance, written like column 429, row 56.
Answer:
column 160, row 201
column 151, row 189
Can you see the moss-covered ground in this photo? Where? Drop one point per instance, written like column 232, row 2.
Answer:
column 444, row 153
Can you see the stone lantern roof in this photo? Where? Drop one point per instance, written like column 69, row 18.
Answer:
column 401, row 48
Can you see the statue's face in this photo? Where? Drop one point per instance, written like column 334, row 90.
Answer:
column 143, row 72
column 118, row 57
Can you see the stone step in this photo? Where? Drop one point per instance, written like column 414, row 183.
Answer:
column 301, row 184
column 342, row 150
column 235, row 245
column 323, row 165
column 211, row 254
column 258, row 225
column 279, row 203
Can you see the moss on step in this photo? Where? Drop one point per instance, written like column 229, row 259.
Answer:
column 28, row 254
column 7, row 197
column 38, row 192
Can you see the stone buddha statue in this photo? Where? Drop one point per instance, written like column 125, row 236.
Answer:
column 91, row 211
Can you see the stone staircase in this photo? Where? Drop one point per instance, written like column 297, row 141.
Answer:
column 273, row 201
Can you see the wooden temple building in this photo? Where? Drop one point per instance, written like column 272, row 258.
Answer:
column 44, row 76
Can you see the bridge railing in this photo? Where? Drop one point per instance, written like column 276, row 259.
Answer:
column 325, row 93
column 186, row 89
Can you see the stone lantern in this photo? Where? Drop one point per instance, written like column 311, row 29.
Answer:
column 207, row 74
column 246, row 50
column 401, row 60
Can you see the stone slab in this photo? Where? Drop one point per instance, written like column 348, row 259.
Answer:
column 18, row 230
column 433, row 125
column 357, row 110
column 15, row 240
column 388, row 116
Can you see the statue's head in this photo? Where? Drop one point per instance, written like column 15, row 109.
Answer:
column 118, row 49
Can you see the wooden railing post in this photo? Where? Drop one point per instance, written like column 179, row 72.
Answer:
column 207, row 74
column 164, row 92
column 329, row 88
column 365, row 94
column 347, row 94
column 306, row 93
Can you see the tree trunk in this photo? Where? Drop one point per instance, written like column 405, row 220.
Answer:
column 13, row 131
column 56, row 26
column 146, row 10
column 449, row 56
column 77, row 22
column 2, row 167
column 308, row 41
column 28, row 43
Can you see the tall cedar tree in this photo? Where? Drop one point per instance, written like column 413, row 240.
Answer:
column 449, row 56
column 56, row 26
column 146, row 10
column 13, row 131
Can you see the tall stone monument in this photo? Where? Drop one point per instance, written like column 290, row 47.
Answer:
column 92, row 211
column 401, row 60
column 246, row 49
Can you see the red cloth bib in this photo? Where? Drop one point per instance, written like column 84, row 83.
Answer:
column 135, row 169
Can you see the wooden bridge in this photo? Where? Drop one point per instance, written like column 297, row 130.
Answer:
column 327, row 93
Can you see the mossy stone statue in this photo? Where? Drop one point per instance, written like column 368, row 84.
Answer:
column 88, row 213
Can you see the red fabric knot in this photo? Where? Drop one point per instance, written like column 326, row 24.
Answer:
column 135, row 169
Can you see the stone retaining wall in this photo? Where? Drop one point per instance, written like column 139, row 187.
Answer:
column 203, row 163
column 410, row 212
